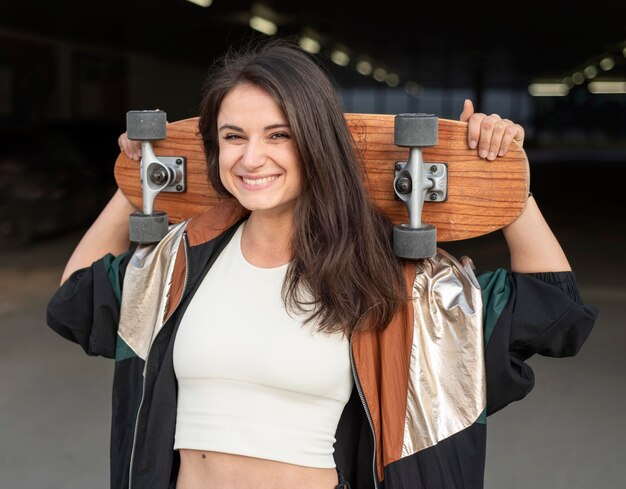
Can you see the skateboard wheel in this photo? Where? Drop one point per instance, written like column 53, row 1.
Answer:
column 146, row 125
column 416, row 243
column 148, row 228
column 414, row 130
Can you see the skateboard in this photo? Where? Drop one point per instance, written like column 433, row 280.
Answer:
column 417, row 168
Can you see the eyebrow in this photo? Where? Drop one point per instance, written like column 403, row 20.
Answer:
column 266, row 128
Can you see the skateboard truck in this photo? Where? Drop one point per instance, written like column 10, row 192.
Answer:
column 416, row 240
column 162, row 174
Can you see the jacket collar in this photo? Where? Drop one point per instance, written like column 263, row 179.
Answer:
column 214, row 221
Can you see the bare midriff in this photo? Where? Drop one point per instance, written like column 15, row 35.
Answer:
column 201, row 469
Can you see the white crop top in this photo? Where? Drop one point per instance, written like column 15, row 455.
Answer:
column 252, row 380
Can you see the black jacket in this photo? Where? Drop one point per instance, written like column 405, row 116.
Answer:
column 380, row 436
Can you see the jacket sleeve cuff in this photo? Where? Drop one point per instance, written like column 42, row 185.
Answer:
column 565, row 281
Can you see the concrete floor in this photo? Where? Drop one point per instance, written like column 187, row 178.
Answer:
column 569, row 433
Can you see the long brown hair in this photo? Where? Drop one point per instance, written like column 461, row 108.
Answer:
column 343, row 264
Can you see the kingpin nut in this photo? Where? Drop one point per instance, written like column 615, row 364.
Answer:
column 159, row 176
column 403, row 185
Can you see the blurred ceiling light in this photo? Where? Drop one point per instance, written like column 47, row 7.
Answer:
column 607, row 63
column 263, row 25
column 412, row 88
column 380, row 74
column 202, row 3
column 624, row 52
column 310, row 45
column 607, row 87
column 340, row 57
column 568, row 81
column 590, row 71
column 364, row 67
column 392, row 80
column 548, row 89
column 578, row 78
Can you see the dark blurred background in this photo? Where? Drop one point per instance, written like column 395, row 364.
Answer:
column 70, row 70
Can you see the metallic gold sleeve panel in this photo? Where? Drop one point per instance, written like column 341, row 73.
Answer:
column 447, row 374
column 146, row 291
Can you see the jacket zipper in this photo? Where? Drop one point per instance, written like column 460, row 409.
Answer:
column 145, row 370
column 363, row 401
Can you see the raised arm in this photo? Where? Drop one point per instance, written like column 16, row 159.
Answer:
column 109, row 233
column 532, row 244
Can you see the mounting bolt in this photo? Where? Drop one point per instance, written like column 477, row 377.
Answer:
column 179, row 161
column 433, row 169
column 433, row 196
column 398, row 166
column 179, row 188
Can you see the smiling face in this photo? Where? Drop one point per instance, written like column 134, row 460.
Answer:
column 258, row 158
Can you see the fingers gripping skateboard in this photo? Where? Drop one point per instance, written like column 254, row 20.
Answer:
column 157, row 175
column 414, row 240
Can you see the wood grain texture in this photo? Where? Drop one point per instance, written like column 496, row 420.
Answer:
column 483, row 196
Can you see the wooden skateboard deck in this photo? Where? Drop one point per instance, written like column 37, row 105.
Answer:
column 483, row 196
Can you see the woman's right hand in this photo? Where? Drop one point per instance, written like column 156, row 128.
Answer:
column 131, row 149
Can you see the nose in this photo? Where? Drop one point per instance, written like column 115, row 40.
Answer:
column 253, row 156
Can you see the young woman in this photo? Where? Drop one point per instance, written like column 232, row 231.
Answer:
column 275, row 341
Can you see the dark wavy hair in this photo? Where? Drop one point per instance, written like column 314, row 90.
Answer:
column 342, row 253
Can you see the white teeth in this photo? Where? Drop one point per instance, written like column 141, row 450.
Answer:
column 258, row 181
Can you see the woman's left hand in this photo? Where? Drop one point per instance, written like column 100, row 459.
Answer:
column 491, row 134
